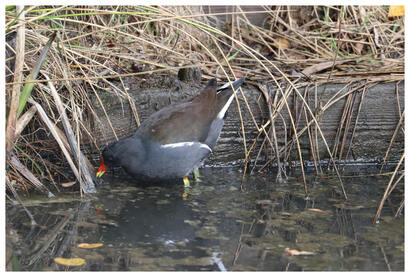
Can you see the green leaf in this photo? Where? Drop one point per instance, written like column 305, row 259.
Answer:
column 10, row 8
column 25, row 94
column 234, row 55
column 15, row 264
column 28, row 87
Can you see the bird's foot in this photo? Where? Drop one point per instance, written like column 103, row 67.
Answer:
column 186, row 182
column 187, row 188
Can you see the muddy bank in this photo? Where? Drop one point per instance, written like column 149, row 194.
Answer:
column 378, row 117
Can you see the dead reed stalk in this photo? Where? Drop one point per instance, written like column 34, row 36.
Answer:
column 18, row 77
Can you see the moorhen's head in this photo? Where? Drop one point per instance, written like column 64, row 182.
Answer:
column 124, row 152
column 102, row 169
column 107, row 159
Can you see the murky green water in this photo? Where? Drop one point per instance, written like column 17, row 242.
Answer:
column 212, row 226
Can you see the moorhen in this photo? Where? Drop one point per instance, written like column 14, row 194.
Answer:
column 175, row 140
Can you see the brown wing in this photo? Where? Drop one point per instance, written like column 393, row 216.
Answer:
column 188, row 121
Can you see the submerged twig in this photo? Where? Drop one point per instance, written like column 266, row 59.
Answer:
column 396, row 130
column 268, row 100
column 387, row 190
column 88, row 186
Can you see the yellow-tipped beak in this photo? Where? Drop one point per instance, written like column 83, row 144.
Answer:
column 102, row 169
column 100, row 173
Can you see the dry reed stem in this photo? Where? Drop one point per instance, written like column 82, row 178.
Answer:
column 386, row 192
column 356, row 121
column 56, row 136
column 396, row 183
column 18, row 77
column 24, row 120
column 100, row 102
column 329, row 104
column 400, row 208
column 371, row 79
column 259, row 152
column 343, row 128
column 324, row 140
column 253, row 54
column 29, row 175
column 285, row 101
column 397, row 98
column 85, row 172
column 236, row 96
column 316, row 135
column 316, row 161
column 268, row 100
column 132, row 104
column 297, row 143
column 396, row 130
column 114, row 76
column 347, row 127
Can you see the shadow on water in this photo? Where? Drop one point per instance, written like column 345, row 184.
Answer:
column 211, row 226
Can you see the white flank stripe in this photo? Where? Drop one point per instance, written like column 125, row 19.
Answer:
column 185, row 144
column 178, row 144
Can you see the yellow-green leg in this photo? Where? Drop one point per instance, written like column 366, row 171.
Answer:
column 196, row 174
column 185, row 195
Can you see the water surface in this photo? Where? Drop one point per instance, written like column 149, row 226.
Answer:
column 214, row 225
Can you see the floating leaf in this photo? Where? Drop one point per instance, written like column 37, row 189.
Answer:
column 68, row 184
column 396, row 11
column 294, row 252
column 70, row 261
column 89, row 245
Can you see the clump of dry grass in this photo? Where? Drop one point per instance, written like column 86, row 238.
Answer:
column 296, row 47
